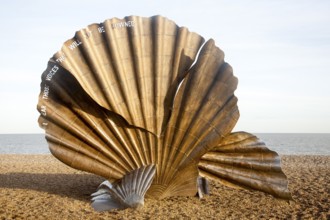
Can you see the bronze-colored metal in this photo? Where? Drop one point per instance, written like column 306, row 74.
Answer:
column 241, row 160
column 132, row 92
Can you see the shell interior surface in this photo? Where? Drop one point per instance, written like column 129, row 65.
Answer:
column 129, row 93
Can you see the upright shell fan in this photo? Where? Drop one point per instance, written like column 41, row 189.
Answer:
column 140, row 92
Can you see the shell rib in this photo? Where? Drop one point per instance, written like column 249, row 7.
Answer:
column 128, row 93
column 241, row 160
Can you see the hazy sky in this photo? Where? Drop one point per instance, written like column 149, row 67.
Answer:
column 280, row 52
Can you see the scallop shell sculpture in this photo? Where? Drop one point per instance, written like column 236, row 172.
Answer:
column 135, row 94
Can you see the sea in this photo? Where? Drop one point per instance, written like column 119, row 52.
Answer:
column 283, row 144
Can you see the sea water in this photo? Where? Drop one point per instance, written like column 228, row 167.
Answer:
column 23, row 144
column 297, row 144
column 284, row 144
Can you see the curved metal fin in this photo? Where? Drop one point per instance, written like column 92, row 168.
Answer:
column 81, row 133
column 126, row 193
column 132, row 66
column 204, row 110
column 241, row 160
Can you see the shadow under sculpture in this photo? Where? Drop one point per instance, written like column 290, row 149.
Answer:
column 149, row 106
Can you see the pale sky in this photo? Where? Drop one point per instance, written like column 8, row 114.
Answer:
column 279, row 50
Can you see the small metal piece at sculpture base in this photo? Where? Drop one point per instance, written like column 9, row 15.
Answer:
column 126, row 193
column 129, row 93
column 203, row 187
